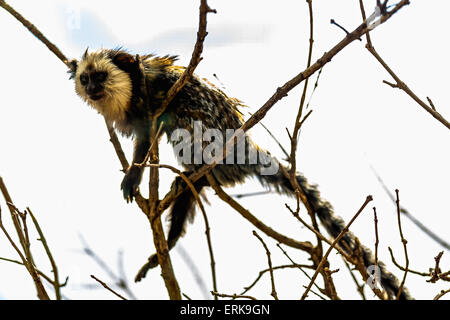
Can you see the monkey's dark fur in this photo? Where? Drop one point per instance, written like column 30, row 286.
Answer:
column 111, row 81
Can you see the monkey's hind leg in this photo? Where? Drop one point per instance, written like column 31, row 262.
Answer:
column 183, row 209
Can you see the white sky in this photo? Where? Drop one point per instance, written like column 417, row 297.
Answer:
column 56, row 157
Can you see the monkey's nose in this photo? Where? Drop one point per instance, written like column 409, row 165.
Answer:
column 93, row 89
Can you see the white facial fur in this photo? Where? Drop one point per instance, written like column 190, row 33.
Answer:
column 117, row 86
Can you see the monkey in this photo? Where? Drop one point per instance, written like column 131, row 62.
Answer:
column 126, row 90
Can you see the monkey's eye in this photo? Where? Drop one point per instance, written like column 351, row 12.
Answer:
column 100, row 76
column 84, row 79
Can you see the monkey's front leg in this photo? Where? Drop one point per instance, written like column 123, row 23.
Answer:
column 133, row 177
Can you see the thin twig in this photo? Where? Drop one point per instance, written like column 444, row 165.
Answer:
column 305, row 117
column 275, row 139
column 317, row 233
column 250, row 194
column 441, row 294
column 233, row 296
column 41, row 292
column 186, row 296
column 119, row 280
column 190, row 264
column 316, row 84
column 42, row 274
column 431, row 104
column 423, row 274
column 375, row 219
column 436, row 272
column 399, row 83
column 108, row 288
column 298, row 266
column 147, row 156
column 262, row 272
column 12, row 211
column 122, row 277
column 312, row 291
column 97, row 259
column 269, row 260
column 402, row 86
column 332, row 21
column 408, row 214
column 359, row 287
column 49, row 255
column 404, row 242
column 296, row 131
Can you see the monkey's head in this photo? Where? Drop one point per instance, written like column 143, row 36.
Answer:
column 104, row 80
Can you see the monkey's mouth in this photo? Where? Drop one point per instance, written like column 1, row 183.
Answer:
column 96, row 96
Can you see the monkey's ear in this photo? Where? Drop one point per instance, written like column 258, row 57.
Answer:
column 125, row 61
column 85, row 53
column 73, row 65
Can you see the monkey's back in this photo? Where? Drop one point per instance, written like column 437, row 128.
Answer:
column 200, row 103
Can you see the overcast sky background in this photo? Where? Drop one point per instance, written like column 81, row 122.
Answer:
column 56, row 157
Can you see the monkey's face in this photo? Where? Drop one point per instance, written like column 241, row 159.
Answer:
column 103, row 85
column 93, row 82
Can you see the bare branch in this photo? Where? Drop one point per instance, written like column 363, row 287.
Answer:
column 108, row 288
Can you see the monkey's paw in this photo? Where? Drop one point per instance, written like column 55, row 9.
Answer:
column 130, row 184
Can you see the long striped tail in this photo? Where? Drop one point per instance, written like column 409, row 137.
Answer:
column 334, row 226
